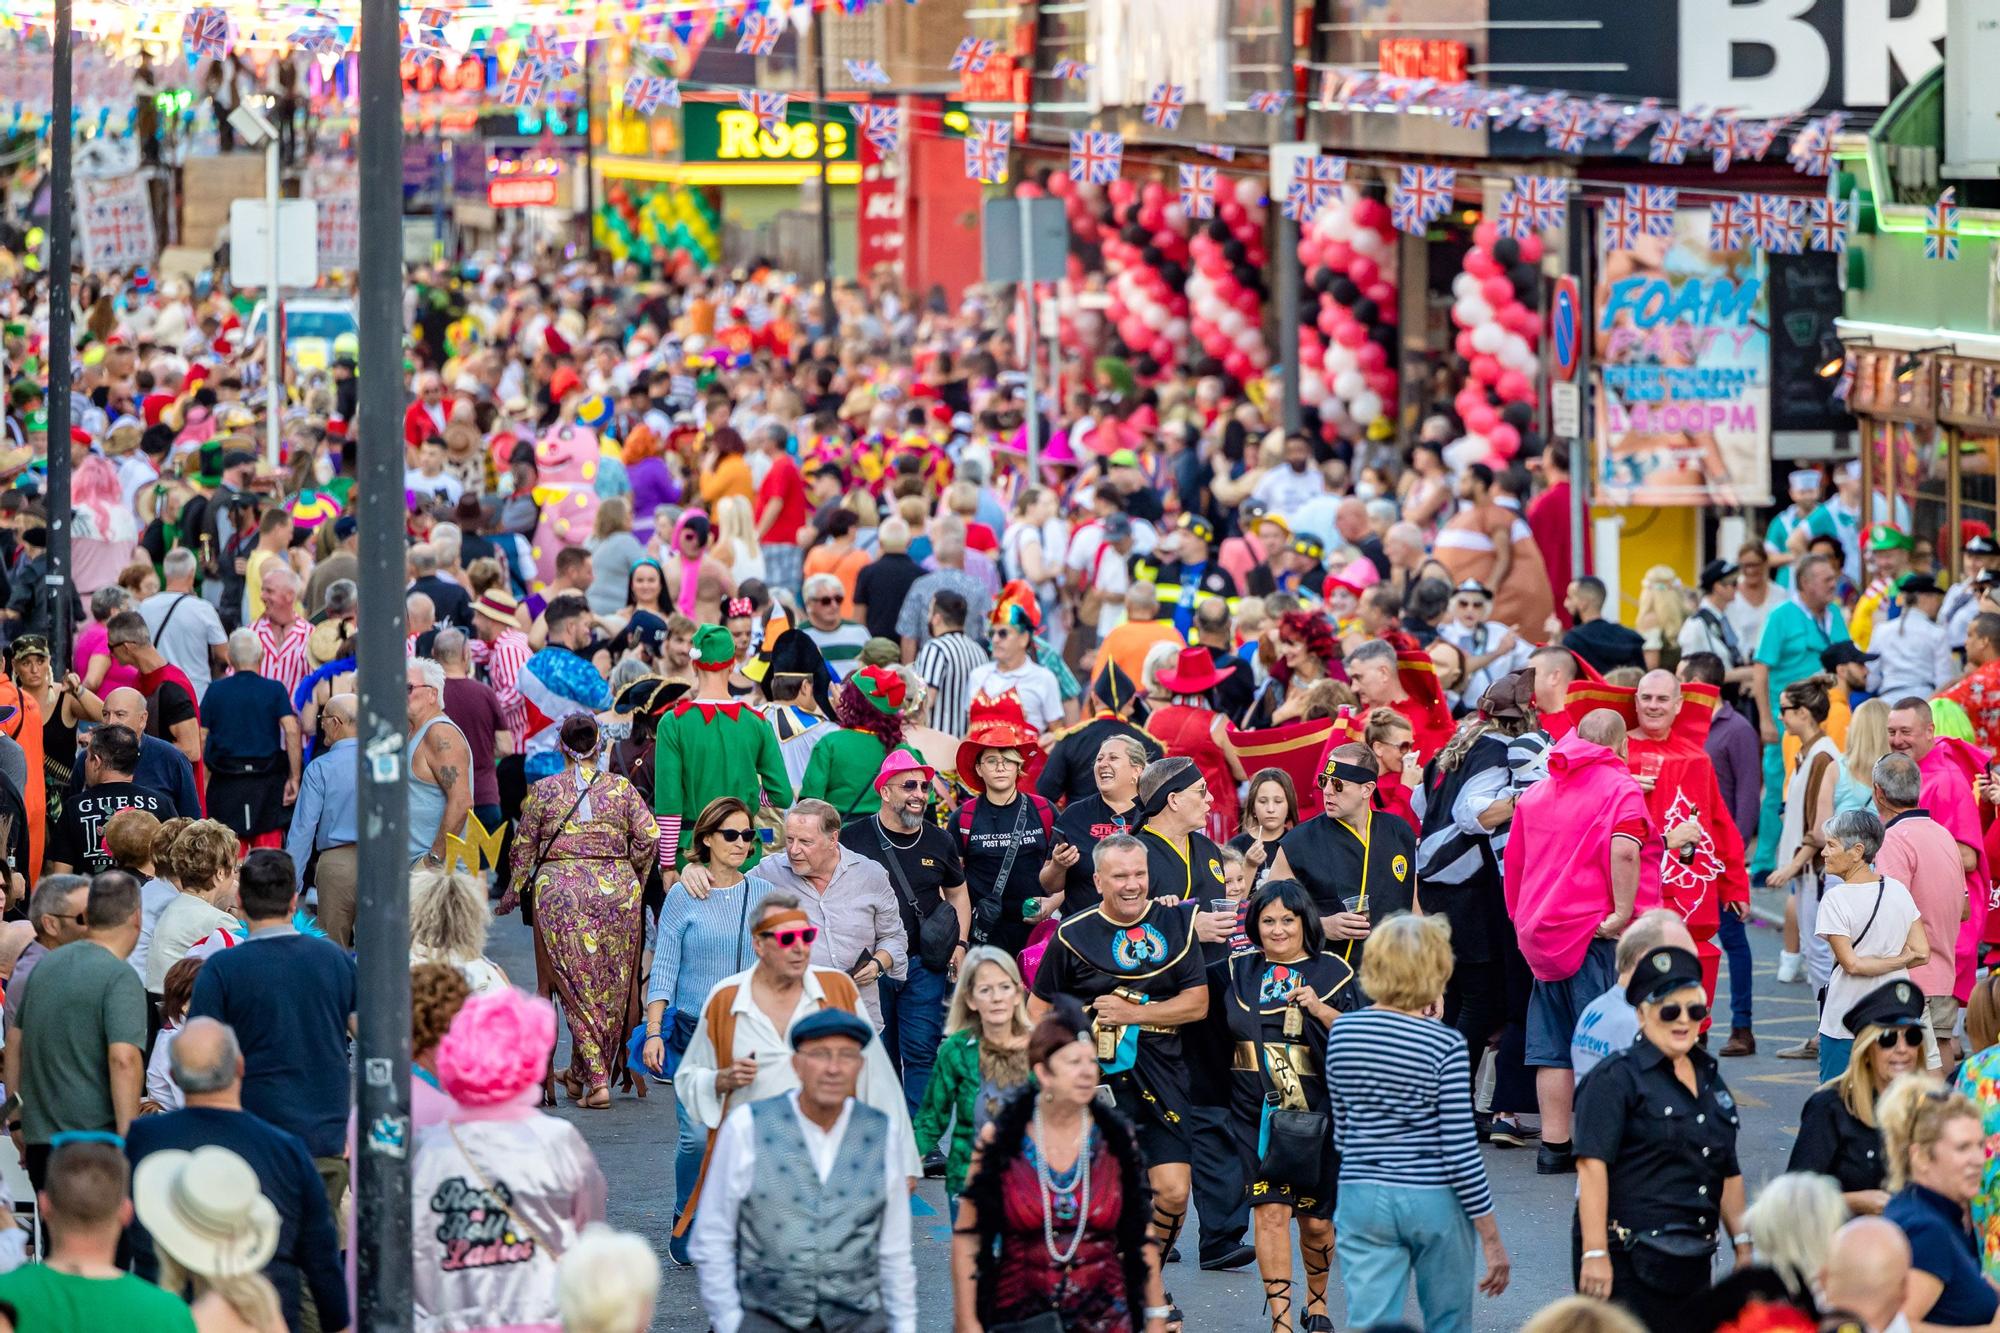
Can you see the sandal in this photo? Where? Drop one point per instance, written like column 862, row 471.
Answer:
column 573, row 1085
column 1278, row 1303
column 593, row 1102
column 1316, row 1323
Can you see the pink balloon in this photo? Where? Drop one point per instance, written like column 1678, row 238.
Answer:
column 1482, row 266
column 1363, row 272
column 1152, row 217
column 1531, row 248
column 1481, row 421
column 1330, row 321
column 1485, row 369
column 1256, row 257
column 1383, row 382
column 1061, row 186
column 1463, row 345
column 1155, row 194
column 1336, row 255
column 1122, row 191
column 1237, row 365
column 1371, row 213
column 1381, row 293
column 1504, row 438
column 1231, row 213
column 1029, row 190
column 1312, row 252
column 1249, row 303
column 1370, row 356
column 1468, row 401
column 1485, row 234
column 1350, row 333
column 1515, row 387
column 1163, row 351
column 1497, row 291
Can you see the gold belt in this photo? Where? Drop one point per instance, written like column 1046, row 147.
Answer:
column 1301, row 1058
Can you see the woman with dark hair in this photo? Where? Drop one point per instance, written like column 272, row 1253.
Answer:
column 582, row 848
column 646, row 590
column 1053, row 1218
column 841, row 772
column 1283, row 993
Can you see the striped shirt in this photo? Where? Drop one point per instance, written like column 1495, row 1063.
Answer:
column 1401, row 1099
column 504, row 658
column 946, row 664
column 284, row 651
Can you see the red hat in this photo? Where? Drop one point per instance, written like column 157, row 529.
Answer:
column 564, row 383
column 1194, row 673
column 997, row 723
column 78, row 435
column 556, row 344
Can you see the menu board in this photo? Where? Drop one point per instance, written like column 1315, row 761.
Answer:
column 1892, row 383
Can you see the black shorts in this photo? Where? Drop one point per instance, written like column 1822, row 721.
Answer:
column 1159, row 1124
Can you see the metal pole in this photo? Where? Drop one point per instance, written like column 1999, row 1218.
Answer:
column 61, row 339
column 1034, row 421
column 589, row 154
column 382, row 925
column 1580, row 234
column 274, row 366
column 1291, row 281
column 822, row 117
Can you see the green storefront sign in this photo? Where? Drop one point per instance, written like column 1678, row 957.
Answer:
column 719, row 133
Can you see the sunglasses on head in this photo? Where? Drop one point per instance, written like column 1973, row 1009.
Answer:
column 1910, row 1036
column 792, row 935
column 735, row 834
column 1671, row 1013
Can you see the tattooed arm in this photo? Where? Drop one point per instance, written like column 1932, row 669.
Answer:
column 450, row 763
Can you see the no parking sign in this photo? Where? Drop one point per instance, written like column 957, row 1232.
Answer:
column 1566, row 328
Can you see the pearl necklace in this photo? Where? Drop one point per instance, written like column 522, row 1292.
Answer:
column 1047, row 1185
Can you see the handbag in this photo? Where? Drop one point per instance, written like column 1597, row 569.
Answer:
column 523, row 1229
column 937, row 931
column 1291, row 1145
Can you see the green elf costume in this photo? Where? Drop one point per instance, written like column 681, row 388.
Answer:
column 844, row 764
column 710, row 746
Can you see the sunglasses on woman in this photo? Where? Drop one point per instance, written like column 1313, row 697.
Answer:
column 1671, row 1013
column 787, row 938
column 735, row 834
column 1911, row 1037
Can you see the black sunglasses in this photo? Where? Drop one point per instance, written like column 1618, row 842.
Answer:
column 735, row 834
column 1911, row 1036
column 1671, row 1013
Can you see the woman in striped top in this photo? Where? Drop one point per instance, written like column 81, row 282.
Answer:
column 1412, row 1187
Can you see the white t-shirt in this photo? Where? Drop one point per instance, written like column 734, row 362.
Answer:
column 1844, row 910
column 1033, row 683
column 190, row 632
column 1606, row 1026
column 1112, row 580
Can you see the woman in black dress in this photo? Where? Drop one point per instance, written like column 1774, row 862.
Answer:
column 1838, row 1133
column 1281, row 996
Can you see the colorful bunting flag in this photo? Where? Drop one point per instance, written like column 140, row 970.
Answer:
column 882, row 126
column 547, row 55
column 759, row 35
column 1421, row 195
column 1224, row 151
column 1535, row 203
column 1315, row 179
column 1826, row 222
column 769, row 108
column 1650, row 208
column 1728, row 230
column 205, row 33
column 524, row 85
column 1725, row 140
column 1621, row 232
column 1198, row 190
column 1941, row 226
column 986, row 150
column 1095, row 157
column 1764, row 218
column 1631, row 125
column 973, row 55
column 1070, row 70
column 1270, row 102
column 868, row 72
column 646, row 94
column 1568, row 133
column 1671, row 140
column 1164, row 106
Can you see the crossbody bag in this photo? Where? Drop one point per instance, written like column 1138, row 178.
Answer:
column 937, row 930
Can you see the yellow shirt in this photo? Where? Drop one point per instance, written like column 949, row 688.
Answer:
column 253, row 585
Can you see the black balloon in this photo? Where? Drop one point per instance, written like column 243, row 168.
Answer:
column 1517, row 415
column 1218, row 230
column 1235, row 251
column 1134, row 234
column 1321, row 279
column 1383, row 335
column 1108, row 215
column 1531, row 443
column 1367, row 311
column 1146, row 366
column 1343, row 290
column 1527, row 280
column 1175, row 276
column 1245, row 274
column 1507, row 251
column 1151, row 255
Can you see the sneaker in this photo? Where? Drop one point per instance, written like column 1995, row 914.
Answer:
column 1742, row 1041
column 1509, row 1132
column 1805, row 1050
column 1555, row 1159
column 1791, row 968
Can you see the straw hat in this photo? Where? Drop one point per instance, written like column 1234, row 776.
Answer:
column 204, row 1209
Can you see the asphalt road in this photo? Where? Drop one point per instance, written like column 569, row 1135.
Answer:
column 634, row 1142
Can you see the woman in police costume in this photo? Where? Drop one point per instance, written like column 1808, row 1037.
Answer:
column 1283, row 993
column 1838, row 1132
column 1656, row 1154
column 1357, row 864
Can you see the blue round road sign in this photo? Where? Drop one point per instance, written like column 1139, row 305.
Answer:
column 1566, row 327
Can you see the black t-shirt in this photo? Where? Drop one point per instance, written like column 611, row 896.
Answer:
column 1606, row 646
column 881, row 587
column 997, row 907
column 1195, row 878
column 1335, row 861
column 930, row 864
column 1083, row 824
column 167, row 707
column 1155, row 956
column 1071, row 772
column 79, row 834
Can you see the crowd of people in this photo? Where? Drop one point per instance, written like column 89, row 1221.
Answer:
column 1206, row 817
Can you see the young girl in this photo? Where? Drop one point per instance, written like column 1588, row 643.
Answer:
column 1269, row 813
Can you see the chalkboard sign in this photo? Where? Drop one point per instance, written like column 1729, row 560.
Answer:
column 1805, row 300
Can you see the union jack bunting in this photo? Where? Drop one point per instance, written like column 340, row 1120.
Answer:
column 1787, row 232
column 1270, row 101
column 1827, row 225
column 986, row 150
column 1568, row 133
column 321, row 39
column 646, row 94
column 1198, row 191
column 1650, row 208
column 1672, row 140
column 973, row 54
column 1621, row 229
column 1466, row 112
column 1535, row 203
column 548, row 57
column 759, row 35
column 1725, row 139
column 1226, row 152
column 1421, row 194
column 524, row 86
column 1630, row 126
column 1758, row 136
column 1812, row 147
column 1095, row 156
column 1070, row 70
column 769, row 108
column 206, row 32
column 1764, row 218
column 882, row 126
column 1506, row 109
column 1941, row 226
column 1727, row 229
column 1541, row 112
column 866, row 72
column 1315, row 178
column 1164, row 105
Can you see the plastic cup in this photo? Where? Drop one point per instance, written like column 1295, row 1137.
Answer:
column 1354, row 902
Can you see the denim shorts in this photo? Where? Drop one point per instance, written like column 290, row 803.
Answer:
column 1555, row 1006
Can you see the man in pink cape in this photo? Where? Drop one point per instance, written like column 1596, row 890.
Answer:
column 1572, row 884
column 1947, row 766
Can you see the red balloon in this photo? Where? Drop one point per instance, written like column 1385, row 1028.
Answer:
column 1485, row 369
column 1163, row 350
column 1231, row 213
column 1381, row 293
column 1482, row 266
column 1350, row 333
column 1470, row 399
column 1336, row 255
column 1311, row 251
column 1122, row 191
column 1497, row 291
column 1481, row 421
column 1505, row 439
column 1531, row 249
column 1464, row 347
column 1249, row 303
column 1383, row 382
column 1061, row 186
column 1364, row 272
column 1155, row 194
column 1329, row 322
column 1371, row 213
column 1027, row 190
column 1485, row 234
column 1256, row 257
column 1152, row 217
column 1370, row 356
column 1514, row 387
column 1237, row 365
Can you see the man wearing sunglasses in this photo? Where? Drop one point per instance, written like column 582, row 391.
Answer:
column 1357, row 866
column 1491, row 649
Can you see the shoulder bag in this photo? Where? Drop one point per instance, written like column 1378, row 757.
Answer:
column 937, row 931
column 1292, row 1145
column 984, row 918
column 523, row 1228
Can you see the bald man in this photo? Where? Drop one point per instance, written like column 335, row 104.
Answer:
column 1867, row 1274
column 322, row 836
column 162, row 766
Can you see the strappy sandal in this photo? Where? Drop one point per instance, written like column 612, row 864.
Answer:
column 1316, row 1323
column 591, row 1103
column 1278, row 1291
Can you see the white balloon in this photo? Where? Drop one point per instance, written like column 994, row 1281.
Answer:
column 1339, row 360
column 1231, row 323
column 1210, row 308
column 1471, row 314
column 1177, row 219
column 1249, row 191
column 1515, row 352
column 1335, row 411
column 1312, row 389
column 1350, row 384
column 1155, row 317
column 1336, row 224
column 1464, row 287
column 1177, row 330
column 1198, row 285
column 1366, row 406
column 1367, row 241
column 1488, row 338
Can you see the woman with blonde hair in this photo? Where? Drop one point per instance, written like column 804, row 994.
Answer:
column 1838, row 1132
column 1867, row 741
column 212, row 1231
column 1791, row 1227
column 205, row 864
column 736, row 542
column 1663, row 608
column 449, row 917
column 607, row 1282
column 1937, row 1153
column 984, row 1056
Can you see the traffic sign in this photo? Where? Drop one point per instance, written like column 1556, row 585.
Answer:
column 1566, row 410
column 1566, row 328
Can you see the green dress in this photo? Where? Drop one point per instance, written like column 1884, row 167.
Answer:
column 842, row 772
column 711, row 748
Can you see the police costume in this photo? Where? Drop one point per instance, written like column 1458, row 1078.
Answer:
column 1833, row 1141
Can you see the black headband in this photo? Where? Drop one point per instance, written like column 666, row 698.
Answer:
column 1346, row 772
column 1179, row 782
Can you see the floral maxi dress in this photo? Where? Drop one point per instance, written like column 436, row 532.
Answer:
column 586, row 901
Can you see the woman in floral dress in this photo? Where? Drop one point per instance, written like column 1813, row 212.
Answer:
column 582, row 848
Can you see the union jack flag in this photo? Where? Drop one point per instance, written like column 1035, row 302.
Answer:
column 1315, row 178
column 1506, row 108
column 1650, row 208
column 1621, row 229
column 1826, row 223
column 1095, row 156
column 1812, row 148
column 524, row 86
column 769, row 108
column 1941, row 226
column 1421, row 194
column 1198, row 191
column 321, row 39
column 646, row 94
column 866, row 71
column 547, row 55
column 1787, row 232
column 1570, row 132
column 986, row 150
column 1542, row 111
column 1270, row 101
column 1759, row 136
column 1672, row 140
column 1630, row 126
column 1764, row 218
column 973, row 54
column 1725, row 137
column 1727, row 228
column 1164, row 106
column 206, row 32
column 882, row 126
column 1466, row 113
column 1070, row 70
column 1535, row 203
column 1226, row 152
column 759, row 35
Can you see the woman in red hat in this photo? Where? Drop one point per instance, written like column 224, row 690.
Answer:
column 1190, row 727
column 1005, row 833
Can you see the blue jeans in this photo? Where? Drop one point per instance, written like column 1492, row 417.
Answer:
column 1834, row 1053
column 1387, row 1234
column 692, row 1142
column 912, row 1027
column 1735, row 942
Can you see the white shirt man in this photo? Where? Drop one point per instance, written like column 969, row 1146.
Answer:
column 1913, row 651
column 184, row 627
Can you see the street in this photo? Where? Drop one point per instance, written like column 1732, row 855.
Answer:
column 634, row 1145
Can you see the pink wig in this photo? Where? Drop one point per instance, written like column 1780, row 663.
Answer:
column 497, row 1048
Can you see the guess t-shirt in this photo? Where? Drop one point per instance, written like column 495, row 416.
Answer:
column 79, row 835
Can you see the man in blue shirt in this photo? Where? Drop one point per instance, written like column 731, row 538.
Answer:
column 323, row 822
column 294, row 1053
column 162, row 766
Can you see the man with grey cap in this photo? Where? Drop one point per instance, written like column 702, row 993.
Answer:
column 1491, row 649
column 804, row 1220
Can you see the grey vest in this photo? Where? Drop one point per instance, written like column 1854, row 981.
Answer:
column 808, row 1252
